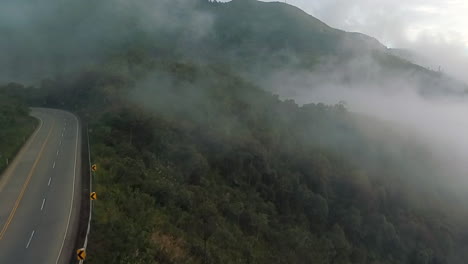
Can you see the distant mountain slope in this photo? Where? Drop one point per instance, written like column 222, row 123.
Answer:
column 257, row 38
column 264, row 37
column 275, row 28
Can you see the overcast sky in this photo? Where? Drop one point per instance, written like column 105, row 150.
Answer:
column 395, row 22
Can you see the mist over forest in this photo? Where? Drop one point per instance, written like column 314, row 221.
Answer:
column 244, row 132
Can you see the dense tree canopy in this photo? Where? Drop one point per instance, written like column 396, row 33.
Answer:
column 198, row 164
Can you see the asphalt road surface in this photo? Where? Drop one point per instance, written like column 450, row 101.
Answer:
column 38, row 193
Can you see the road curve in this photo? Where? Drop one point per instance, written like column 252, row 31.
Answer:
column 38, row 207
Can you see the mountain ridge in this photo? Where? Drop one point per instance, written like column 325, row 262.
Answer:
column 262, row 37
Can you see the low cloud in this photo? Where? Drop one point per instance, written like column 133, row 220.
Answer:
column 438, row 122
column 46, row 38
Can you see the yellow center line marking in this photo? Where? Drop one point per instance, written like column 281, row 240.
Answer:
column 26, row 183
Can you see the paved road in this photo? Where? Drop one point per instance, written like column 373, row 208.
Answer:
column 37, row 193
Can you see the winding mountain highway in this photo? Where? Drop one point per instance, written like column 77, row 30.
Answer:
column 39, row 193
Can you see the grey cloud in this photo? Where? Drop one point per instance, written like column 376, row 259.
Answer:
column 439, row 122
column 391, row 21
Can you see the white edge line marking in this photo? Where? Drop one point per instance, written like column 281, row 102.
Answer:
column 50, row 179
column 43, row 202
column 30, row 238
column 53, row 166
column 73, row 189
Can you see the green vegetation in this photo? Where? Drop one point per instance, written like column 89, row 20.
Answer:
column 15, row 126
column 198, row 164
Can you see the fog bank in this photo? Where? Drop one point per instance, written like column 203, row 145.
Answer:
column 438, row 122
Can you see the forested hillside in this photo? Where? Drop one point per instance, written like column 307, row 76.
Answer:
column 15, row 126
column 200, row 164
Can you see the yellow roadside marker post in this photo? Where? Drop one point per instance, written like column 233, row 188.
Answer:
column 81, row 254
